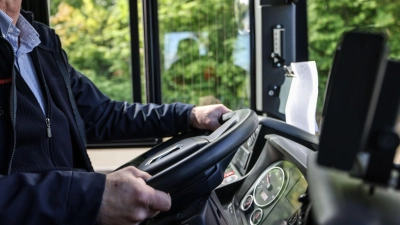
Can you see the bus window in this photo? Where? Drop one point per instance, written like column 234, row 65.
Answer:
column 205, row 60
column 96, row 37
column 328, row 20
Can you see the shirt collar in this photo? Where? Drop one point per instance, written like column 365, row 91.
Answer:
column 5, row 23
column 28, row 35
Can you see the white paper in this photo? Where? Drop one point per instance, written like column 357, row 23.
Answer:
column 302, row 99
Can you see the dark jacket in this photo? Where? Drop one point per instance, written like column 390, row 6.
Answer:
column 69, row 197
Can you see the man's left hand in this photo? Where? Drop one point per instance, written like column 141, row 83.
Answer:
column 207, row 117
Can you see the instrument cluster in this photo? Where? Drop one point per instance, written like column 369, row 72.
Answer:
column 273, row 198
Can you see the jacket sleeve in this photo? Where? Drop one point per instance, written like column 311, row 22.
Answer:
column 106, row 119
column 67, row 197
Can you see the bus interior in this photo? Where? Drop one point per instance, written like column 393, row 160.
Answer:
column 257, row 168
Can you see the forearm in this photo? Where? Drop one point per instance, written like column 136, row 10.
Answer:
column 109, row 120
column 126, row 121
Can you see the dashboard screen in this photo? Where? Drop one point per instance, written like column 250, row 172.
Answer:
column 264, row 196
column 242, row 157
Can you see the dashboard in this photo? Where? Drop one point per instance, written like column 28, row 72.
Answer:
column 273, row 177
column 274, row 197
column 265, row 182
column 266, row 179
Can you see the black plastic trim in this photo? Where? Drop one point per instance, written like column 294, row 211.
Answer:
column 135, row 52
column 40, row 8
column 290, row 132
column 302, row 52
column 136, row 143
column 252, row 58
column 152, row 51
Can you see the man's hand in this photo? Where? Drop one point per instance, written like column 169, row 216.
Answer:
column 128, row 200
column 206, row 117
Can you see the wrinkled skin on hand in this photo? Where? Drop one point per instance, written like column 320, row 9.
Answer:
column 127, row 199
column 207, row 117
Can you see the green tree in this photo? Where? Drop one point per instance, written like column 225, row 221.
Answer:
column 95, row 34
column 192, row 75
column 328, row 19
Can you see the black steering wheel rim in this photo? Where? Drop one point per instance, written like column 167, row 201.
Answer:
column 220, row 144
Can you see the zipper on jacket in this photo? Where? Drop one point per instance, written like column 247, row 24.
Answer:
column 11, row 104
column 47, row 93
column 48, row 127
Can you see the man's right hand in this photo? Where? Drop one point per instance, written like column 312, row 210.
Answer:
column 128, row 200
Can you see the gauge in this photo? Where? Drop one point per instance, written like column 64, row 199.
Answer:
column 268, row 186
column 246, row 202
column 256, row 217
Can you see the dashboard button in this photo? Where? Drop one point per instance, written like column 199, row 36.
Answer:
column 229, row 174
column 230, row 179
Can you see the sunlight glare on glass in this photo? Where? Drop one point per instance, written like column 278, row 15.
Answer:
column 242, row 16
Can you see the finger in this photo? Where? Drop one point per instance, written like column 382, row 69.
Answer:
column 224, row 109
column 144, row 175
column 217, row 117
column 160, row 201
column 139, row 173
column 214, row 125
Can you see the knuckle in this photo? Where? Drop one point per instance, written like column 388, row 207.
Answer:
column 143, row 198
column 146, row 174
column 132, row 169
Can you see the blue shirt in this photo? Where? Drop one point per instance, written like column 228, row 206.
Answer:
column 28, row 39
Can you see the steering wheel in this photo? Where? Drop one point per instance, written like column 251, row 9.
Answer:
column 176, row 165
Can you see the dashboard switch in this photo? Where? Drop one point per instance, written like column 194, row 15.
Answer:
column 229, row 174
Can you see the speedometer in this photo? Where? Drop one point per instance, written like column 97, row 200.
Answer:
column 268, row 186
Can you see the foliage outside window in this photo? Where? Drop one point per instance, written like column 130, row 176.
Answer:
column 327, row 21
column 95, row 34
column 199, row 42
